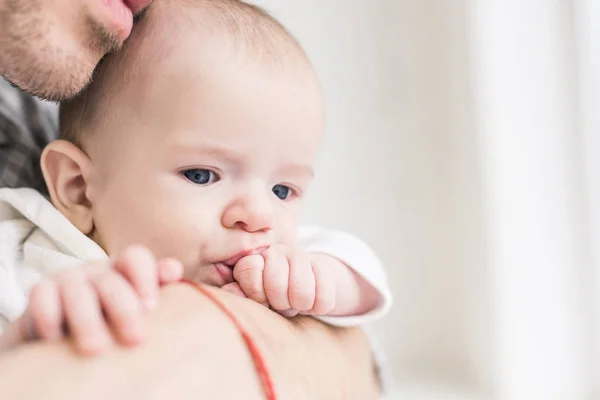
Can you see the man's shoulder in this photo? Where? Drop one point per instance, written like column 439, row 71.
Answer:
column 27, row 124
column 27, row 112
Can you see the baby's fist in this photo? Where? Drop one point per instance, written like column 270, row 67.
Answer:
column 288, row 280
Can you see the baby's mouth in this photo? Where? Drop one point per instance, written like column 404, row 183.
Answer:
column 232, row 261
column 224, row 268
column 226, row 272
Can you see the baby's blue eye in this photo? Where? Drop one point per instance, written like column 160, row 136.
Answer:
column 282, row 192
column 200, row 176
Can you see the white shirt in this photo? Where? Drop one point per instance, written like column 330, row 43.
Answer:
column 36, row 240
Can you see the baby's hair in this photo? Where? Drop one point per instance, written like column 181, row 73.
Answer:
column 250, row 31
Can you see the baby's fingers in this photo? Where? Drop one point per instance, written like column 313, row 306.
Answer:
column 169, row 271
column 43, row 318
column 325, row 290
column 276, row 278
column 138, row 266
column 234, row 288
column 302, row 282
column 83, row 314
column 288, row 313
column 121, row 305
column 248, row 272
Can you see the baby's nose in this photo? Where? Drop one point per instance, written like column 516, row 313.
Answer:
column 252, row 213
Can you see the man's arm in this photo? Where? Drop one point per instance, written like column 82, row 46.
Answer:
column 194, row 351
column 308, row 359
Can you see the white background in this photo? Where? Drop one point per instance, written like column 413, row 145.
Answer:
column 463, row 145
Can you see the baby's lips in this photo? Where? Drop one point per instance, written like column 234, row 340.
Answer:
column 234, row 260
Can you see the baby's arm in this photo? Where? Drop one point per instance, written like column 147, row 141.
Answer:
column 362, row 265
column 354, row 296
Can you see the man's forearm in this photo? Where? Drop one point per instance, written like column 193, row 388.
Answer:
column 308, row 359
column 193, row 351
column 341, row 363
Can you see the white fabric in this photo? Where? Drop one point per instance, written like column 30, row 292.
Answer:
column 358, row 256
column 36, row 240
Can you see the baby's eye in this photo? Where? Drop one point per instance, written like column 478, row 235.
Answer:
column 282, row 192
column 200, row 176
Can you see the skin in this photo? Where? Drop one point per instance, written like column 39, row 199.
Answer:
column 77, row 297
column 50, row 47
column 185, row 174
column 307, row 359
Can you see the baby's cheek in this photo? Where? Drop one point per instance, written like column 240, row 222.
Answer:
column 174, row 243
column 184, row 236
column 287, row 232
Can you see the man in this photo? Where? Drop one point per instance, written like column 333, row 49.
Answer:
column 50, row 48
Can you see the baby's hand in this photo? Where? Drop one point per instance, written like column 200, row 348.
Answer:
column 287, row 280
column 89, row 301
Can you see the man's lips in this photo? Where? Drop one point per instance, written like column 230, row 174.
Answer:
column 137, row 5
column 119, row 14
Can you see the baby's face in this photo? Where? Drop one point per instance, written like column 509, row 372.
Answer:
column 204, row 165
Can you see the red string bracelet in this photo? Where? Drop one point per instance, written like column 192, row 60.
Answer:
column 259, row 361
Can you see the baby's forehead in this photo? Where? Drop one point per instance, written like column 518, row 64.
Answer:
column 184, row 37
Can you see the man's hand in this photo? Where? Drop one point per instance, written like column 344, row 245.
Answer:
column 288, row 280
column 87, row 302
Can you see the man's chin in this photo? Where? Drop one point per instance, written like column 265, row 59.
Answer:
column 50, row 90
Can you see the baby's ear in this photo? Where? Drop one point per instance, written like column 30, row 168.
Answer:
column 66, row 171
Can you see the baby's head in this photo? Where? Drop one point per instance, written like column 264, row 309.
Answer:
column 197, row 140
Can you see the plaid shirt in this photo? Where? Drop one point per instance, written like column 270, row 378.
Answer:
column 27, row 124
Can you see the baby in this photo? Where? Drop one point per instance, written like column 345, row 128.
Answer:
column 196, row 143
